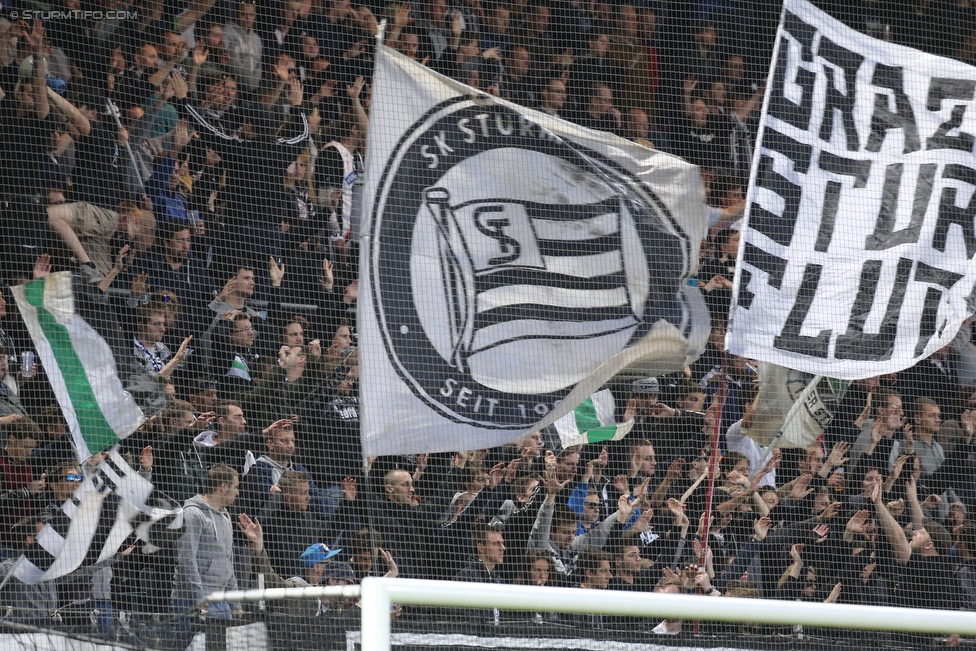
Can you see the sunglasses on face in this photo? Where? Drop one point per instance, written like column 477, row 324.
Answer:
column 73, row 478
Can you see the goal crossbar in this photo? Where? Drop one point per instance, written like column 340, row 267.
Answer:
column 378, row 595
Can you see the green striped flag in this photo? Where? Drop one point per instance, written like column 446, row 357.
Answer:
column 592, row 422
column 79, row 365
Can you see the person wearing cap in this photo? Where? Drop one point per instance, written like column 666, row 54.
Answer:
column 203, row 395
column 675, row 432
column 319, row 564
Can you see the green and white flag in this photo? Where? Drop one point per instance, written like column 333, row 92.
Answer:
column 79, row 365
column 592, row 422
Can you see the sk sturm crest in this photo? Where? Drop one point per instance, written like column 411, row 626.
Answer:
column 509, row 262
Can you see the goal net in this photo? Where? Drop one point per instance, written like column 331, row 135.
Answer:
column 644, row 298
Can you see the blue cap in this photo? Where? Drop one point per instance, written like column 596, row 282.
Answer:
column 317, row 553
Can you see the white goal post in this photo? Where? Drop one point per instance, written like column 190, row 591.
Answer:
column 377, row 596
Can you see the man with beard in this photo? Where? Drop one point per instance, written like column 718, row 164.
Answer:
column 176, row 268
column 264, row 479
column 289, row 525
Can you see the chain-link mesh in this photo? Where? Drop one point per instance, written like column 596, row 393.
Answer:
column 200, row 170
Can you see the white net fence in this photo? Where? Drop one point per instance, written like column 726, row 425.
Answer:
column 289, row 301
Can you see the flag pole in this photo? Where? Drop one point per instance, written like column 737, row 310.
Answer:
column 713, row 465
column 713, row 457
column 114, row 112
column 790, row 417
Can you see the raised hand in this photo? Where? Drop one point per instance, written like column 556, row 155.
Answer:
column 802, row 487
column 392, row 570
column 355, row 89
column 276, row 272
column 829, row 512
column 281, row 423
column 911, row 488
column 711, row 417
column 349, row 489
column 624, row 508
column 140, row 286
column 738, row 479
column 401, row 14
column 643, row 523
column 602, row 459
column 932, row 502
column 203, row 420
column 702, row 581
column 496, row 474
column 550, row 459
column 42, row 266
column 327, row 279
column 857, row 521
column 511, row 471
column 636, row 461
column 315, row 348
column 178, row 86
column 553, row 485
column 877, row 431
column 620, row 482
column 640, row 493
column 674, row 470
column 796, row 552
column 181, row 352
column 834, row 594
column 821, row 530
column 589, row 471
column 181, row 135
column 899, row 463
column 702, row 523
column 119, row 258
column 761, row 527
column 631, row 411
column 896, row 507
column 36, row 37
column 678, row 511
column 774, row 460
column 661, row 410
column 251, row 528
column 200, row 54
column 838, row 454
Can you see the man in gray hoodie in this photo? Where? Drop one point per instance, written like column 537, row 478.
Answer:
column 206, row 548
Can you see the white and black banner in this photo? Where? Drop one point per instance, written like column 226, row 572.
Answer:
column 511, row 264
column 856, row 257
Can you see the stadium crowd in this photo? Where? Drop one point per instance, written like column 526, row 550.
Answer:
column 195, row 164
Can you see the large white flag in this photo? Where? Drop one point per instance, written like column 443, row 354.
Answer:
column 511, row 264
column 857, row 254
